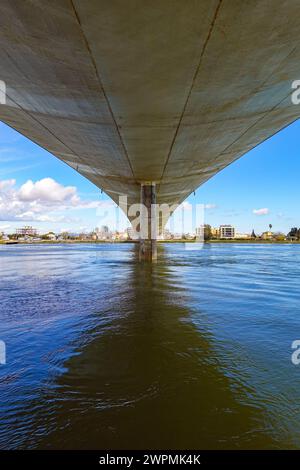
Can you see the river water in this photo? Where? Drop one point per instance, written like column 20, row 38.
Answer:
column 191, row 352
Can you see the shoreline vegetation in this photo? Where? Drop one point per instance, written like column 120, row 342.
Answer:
column 112, row 242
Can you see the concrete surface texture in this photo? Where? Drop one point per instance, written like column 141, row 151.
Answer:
column 162, row 91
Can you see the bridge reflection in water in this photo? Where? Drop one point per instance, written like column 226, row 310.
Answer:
column 136, row 364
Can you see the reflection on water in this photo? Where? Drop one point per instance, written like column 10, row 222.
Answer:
column 191, row 352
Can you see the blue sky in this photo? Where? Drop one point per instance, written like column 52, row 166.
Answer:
column 266, row 179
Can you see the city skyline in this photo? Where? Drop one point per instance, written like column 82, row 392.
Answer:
column 258, row 189
column 220, row 231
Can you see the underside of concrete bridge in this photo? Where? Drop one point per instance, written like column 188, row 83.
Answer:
column 164, row 93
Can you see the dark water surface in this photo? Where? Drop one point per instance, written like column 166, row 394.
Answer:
column 193, row 352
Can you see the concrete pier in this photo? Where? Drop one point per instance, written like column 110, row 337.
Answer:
column 148, row 229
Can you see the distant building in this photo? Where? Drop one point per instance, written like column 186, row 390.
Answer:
column 167, row 234
column 103, row 233
column 188, row 236
column 27, row 231
column 242, row 235
column 4, row 237
column 200, row 232
column 50, row 236
column 177, row 236
column 83, row 236
column 292, row 238
column 215, row 232
column 267, row 235
column 227, row 231
column 73, row 235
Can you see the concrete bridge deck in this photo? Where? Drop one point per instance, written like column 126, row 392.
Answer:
column 160, row 91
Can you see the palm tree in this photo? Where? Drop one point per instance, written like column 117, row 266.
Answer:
column 270, row 226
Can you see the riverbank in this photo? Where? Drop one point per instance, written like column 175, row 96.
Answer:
column 105, row 242
column 255, row 241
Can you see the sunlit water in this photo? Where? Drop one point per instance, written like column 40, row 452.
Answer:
column 192, row 352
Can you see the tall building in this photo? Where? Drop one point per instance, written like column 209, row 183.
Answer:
column 103, row 233
column 27, row 231
column 200, row 231
column 227, row 231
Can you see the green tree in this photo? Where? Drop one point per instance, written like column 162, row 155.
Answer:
column 279, row 236
column 65, row 235
column 294, row 232
column 207, row 232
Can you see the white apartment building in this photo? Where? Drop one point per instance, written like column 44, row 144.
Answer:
column 27, row 231
column 200, row 232
column 227, row 231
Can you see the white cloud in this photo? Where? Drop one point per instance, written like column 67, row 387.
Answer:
column 47, row 190
column 263, row 211
column 210, row 206
column 5, row 184
column 39, row 201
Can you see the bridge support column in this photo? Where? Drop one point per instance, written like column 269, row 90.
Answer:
column 148, row 230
